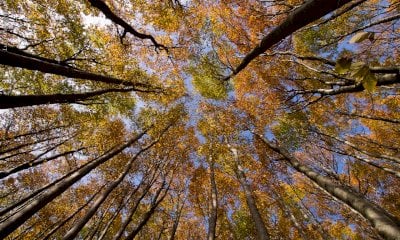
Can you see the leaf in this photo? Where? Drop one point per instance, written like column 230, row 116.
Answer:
column 361, row 36
column 369, row 81
column 358, row 71
column 362, row 74
column 343, row 65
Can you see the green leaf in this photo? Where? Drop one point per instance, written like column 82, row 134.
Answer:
column 358, row 71
column 362, row 74
column 343, row 65
column 369, row 81
column 361, row 36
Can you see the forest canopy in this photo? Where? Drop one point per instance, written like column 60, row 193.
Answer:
column 188, row 119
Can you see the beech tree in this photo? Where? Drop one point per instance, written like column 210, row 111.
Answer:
column 187, row 119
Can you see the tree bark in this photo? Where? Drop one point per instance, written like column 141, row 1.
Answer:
column 385, row 224
column 34, row 163
column 133, row 208
column 63, row 222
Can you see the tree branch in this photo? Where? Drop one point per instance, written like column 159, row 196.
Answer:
column 305, row 14
column 100, row 5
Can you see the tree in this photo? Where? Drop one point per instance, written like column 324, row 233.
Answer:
column 248, row 119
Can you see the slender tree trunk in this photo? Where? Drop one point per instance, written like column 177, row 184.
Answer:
column 385, row 224
column 21, row 216
column 262, row 232
column 63, row 222
column 134, row 207
column 122, row 205
column 176, row 220
column 289, row 214
column 212, row 220
column 98, row 223
column 73, row 232
column 34, row 163
column 150, row 213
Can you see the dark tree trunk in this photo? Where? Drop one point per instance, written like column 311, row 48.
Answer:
column 310, row 11
column 7, row 101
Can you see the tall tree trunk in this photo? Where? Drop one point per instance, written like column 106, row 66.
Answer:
column 71, row 234
column 177, row 219
column 212, row 220
column 34, row 163
column 262, row 232
column 149, row 213
column 289, row 214
column 133, row 208
column 17, row 58
column 59, row 224
column 94, row 228
column 10, row 101
column 114, row 216
column 385, row 224
column 52, row 192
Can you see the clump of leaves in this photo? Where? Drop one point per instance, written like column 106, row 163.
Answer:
column 208, row 79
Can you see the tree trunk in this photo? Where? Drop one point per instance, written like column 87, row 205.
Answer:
column 262, row 232
column 150, row 213
column 114, row 216
column 35, row 163
column 386, row 225
column 63, row 222
column 21, row 216
column 17, row 58
column 71, row 234
column 177, row 219
column 133, row 208
column 7, row 101
column 212, row 220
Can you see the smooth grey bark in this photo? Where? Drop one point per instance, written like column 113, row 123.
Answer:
column 98, row 222
column 13, row 222
column 262, row 232
column 289, row 214
column 212, row 220
column 385, row 224
column 310, row 11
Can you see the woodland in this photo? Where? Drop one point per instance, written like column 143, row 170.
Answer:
column 199, row 119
